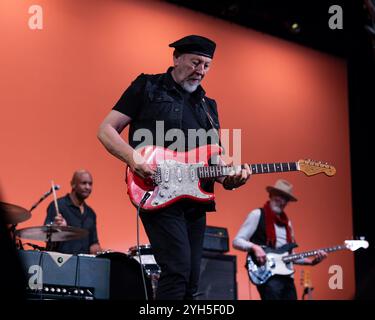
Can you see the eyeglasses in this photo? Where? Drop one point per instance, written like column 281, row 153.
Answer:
column 199, row 65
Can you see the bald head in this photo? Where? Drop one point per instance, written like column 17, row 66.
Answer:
column 81, row 184
column 77, row 175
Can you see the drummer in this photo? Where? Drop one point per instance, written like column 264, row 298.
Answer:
column 75, row 212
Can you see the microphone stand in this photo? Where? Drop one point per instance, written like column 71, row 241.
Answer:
column 14, row 226
column 53, row 188
column 35, row 247
column 39, row 201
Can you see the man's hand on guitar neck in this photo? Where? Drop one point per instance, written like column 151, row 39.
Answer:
column 238, row 178
column 321, row 255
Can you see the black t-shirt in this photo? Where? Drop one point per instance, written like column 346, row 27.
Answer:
column 74, row 218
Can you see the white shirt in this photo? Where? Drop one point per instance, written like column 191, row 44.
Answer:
column 242, row 240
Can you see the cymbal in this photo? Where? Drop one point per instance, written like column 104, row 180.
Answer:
column 15, row 214
column 56, row 233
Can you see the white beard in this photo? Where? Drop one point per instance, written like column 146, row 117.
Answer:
column 188, row 87
column 275, row 208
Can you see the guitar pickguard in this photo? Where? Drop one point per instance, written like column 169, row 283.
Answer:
column 177, row 179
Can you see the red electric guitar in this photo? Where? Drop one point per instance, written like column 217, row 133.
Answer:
column 178, row 174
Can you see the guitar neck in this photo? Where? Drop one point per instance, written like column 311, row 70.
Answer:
column 293, row 257
column 222, row 171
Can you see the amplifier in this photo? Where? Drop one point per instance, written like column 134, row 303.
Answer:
column 217, row 277
column 53, row 275
column 216, row 239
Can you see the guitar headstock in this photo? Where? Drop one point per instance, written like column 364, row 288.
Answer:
column 306, row 279
column 354, row 245
column 311, row 167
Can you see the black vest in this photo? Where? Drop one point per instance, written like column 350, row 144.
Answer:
column 259, row 237
column 163, row 102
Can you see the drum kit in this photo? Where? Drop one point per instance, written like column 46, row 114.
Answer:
column 49, row 233
column 128, row 264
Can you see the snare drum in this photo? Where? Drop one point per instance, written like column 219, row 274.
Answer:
column 125, row 277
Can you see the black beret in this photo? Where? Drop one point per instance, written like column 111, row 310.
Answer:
column 195, row 44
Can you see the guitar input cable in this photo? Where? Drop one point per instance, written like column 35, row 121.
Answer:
column 145, row 197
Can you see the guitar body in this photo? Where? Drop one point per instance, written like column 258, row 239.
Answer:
column 176, row 177
column 259, row 274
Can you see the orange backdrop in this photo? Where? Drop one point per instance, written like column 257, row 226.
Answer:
column 58, row 83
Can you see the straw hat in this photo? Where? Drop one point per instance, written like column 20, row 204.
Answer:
column 283, row 188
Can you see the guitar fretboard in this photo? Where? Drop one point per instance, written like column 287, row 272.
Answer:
column 293, row 257
column 221, row 171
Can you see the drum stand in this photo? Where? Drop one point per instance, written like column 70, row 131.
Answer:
column 49, row 243
column 12, row 230
column 154, row 276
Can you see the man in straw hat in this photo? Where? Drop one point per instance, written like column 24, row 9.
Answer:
column 270, row 226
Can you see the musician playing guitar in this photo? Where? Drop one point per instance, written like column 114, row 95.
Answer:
column 161, row 110
column 270, row 227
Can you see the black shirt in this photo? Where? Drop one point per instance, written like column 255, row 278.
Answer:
column 74, row 218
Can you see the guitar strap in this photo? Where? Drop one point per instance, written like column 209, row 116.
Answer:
column 204, row 105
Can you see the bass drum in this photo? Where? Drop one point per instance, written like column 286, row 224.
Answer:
column 126, row 277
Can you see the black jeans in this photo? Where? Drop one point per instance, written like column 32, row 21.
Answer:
column 278, row 288
column 176, row 237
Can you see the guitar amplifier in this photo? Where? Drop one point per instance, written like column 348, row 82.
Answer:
column 216, row 239
column 54, row 275
column 217, row 277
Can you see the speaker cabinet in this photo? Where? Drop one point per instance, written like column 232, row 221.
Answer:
column 217, row 277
